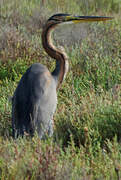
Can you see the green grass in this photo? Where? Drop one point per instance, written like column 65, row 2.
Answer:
column 87, row 130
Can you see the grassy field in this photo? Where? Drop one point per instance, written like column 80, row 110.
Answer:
column 87, row 134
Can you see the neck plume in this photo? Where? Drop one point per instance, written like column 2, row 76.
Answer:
column 59, row 55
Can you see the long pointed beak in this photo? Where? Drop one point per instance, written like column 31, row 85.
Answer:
column 79, row 19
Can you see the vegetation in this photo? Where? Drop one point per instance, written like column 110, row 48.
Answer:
column 87, row 138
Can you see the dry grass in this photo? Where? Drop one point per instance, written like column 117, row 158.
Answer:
column 87, row 138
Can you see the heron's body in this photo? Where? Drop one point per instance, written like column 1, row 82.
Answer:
column 35, row 99
column 30, row 99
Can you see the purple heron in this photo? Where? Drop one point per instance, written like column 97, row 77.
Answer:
column 35, row 99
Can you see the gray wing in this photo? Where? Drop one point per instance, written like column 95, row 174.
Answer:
column 34, row 102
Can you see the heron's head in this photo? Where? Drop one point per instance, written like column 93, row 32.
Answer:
column 68, row 18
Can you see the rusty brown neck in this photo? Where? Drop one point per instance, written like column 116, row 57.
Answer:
column 59, row 55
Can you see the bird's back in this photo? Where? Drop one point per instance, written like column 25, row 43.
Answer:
column 34, row 101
